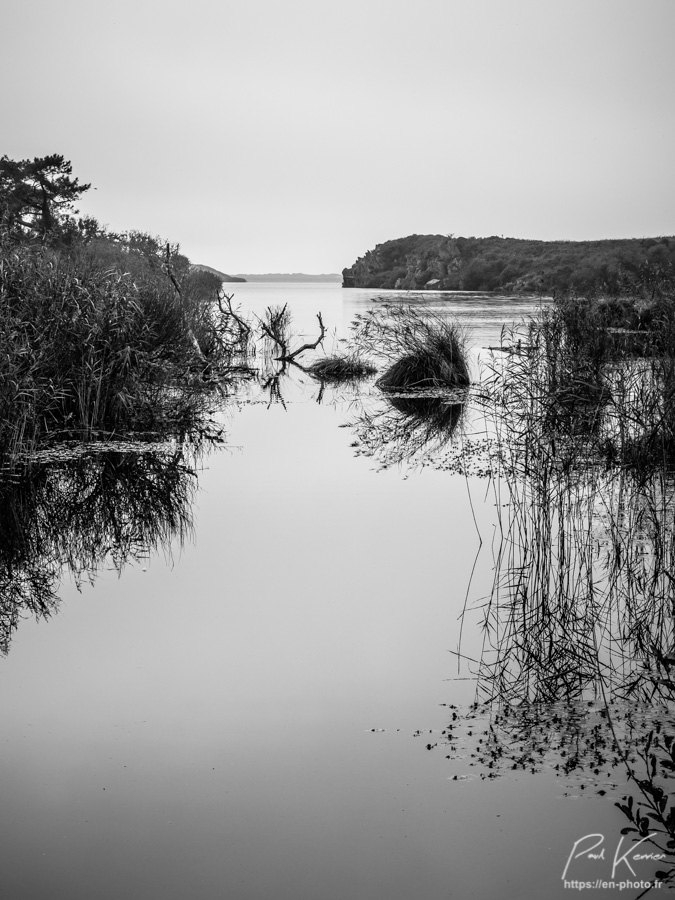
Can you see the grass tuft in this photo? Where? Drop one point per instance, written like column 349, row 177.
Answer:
column 425, row 351
column 341, row 368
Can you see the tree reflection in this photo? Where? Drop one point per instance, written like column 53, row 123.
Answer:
column 76, row 512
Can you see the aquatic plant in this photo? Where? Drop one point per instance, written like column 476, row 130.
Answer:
column 578, row 446
column 584, row 742
column 341, row 368
column 91, row 352
column 422, row 349
column 653, row 816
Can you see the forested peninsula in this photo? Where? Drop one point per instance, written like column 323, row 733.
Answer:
column 511, row 265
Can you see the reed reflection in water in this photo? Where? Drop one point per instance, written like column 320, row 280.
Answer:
column 407, row 428
column 575, row 673
column 87, row 509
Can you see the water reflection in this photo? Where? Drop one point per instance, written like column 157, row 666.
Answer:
column 81, row 511
column 575, row 674
column 583, row 593
column 582, row 590
column 409, row 428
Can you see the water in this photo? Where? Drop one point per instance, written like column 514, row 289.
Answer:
column 482, row 314
column 247, row 715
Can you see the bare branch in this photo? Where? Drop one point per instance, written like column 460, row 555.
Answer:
column 169, row 272
column 174, row 282
column 244, row 327
column 274, row 329
column 291, row 356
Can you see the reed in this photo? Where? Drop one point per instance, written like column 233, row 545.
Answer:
column 422, row 350
column 89, row 352
column 341, row 368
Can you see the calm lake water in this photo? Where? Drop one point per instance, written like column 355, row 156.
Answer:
column 262, row 711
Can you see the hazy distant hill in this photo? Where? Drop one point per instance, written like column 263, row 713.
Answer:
column 445, row 262
column 221, row 275
column 294, row 276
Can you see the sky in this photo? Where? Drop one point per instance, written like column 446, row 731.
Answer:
column 295, row 135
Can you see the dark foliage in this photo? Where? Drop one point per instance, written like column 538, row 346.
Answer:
column 642, row 267
column 101, row 334
column 37, row 196
column 341, row 368
column 423, row 351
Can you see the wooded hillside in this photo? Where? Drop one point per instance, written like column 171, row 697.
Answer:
column 442, row 262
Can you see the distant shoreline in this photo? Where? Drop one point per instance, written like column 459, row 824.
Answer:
column 292, row 277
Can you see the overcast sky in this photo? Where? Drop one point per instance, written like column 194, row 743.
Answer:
column 294, row 135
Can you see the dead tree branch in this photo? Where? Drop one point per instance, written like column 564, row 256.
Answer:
column 291, row 356
column 275, row 329
column 244, row 327
column 190, row 333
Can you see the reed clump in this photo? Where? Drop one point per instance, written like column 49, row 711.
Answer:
column 423, row 350
column 585, row 457
column 90, row 351
column 341, row 368
column 592, row 397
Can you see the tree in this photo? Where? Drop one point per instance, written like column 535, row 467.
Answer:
column 37, row 196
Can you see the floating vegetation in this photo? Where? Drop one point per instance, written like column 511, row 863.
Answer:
column 341, row 368
column 586, row 742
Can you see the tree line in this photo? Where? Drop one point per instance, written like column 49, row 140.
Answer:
column 511, row 265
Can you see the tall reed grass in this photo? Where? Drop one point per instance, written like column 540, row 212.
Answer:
column 88, row 352
column 584, row 475
column 423, row 350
